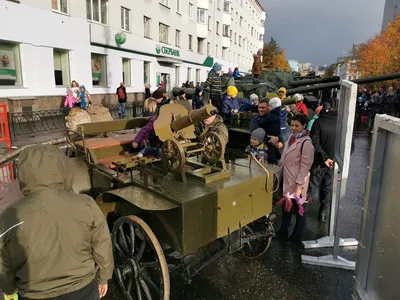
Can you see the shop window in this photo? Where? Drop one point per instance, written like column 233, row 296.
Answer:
column 126, row 71
column 10, row 65
column 146, row 70
column 99, row 72
column 61, row 67
column 177, row 76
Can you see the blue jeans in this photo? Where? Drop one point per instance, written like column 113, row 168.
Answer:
column 122, row 109
column 156, row 152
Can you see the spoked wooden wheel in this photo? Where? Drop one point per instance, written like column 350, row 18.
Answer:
column 140, row 266
column 258, row 236
column 173, row 155
column 213, row 148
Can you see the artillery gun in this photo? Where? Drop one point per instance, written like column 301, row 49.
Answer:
column 239, row 130
column 161, row 211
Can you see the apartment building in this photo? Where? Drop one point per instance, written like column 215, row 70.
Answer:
column 100, row 43
column 391, row 10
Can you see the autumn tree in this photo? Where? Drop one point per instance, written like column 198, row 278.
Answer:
column 330, row 71
column 381, row 54
column 274, row 57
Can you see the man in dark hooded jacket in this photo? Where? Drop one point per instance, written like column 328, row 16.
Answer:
column 54, row 244
column 268, row 118
column 323, row 136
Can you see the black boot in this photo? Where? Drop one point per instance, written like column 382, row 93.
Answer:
column 322, row 213
column 282, row 233
column 295, row 238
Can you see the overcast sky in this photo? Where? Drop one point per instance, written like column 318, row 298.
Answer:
column 318, row 31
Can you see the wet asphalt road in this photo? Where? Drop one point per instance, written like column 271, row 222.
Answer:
column 279, row 274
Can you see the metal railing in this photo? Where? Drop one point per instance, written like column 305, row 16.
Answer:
column 34, row 123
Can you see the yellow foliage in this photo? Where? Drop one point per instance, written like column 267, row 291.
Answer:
column 381, row 54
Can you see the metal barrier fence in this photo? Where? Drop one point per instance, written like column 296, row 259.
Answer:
column 7, row 173
column 33, row 123
column 377, row 272
column 4, row 130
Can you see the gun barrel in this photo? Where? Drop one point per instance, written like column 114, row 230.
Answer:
column 314, row 81
column 194, row 116
column 333, row 85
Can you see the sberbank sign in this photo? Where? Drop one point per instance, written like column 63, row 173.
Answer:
column 168, row 51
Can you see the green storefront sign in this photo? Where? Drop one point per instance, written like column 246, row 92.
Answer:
column 167, row 51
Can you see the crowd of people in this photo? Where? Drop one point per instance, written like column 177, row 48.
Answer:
column 281, row 134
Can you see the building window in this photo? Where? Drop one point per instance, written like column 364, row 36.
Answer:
column 177, row 76
column 163, row 29
column 99, row 74
column 200, row 43
column 230, row 34
column 146, row 72
column 190, row 42
column 208, row 49
column 177, row 38
column 164, row 2
column 261, row 37
column 97, row 10
column 61, row 67
column 146, row 25
column 10, row 64
column 240, row 40
column 224, row 52
column 125, row 18
column 219, row 4
column 235, row 38
column 178, row 6
column 209, row 23
column 189, row 74
column 241, row 21
column 191, row 11
column 59, row 5
column 201, row 16
column 217, row 29
column 232, row 14
column 227, row 6
column 216, row 50
column 126, row 71
column 225, row 30
column 197, row 75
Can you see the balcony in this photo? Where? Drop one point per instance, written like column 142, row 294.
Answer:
column 226, row 42
column 202, row 4
column 202, row 30
column 226, row 19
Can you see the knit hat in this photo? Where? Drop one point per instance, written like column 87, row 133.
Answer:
column 253, row 97
column 232, row 91
column 258, row 134
column 297, row 97
column 158, row 94
column 275, row 102
column 217, row 67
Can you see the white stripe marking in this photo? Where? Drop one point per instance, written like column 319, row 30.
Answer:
column 11, row 228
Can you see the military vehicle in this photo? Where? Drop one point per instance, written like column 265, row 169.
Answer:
column 161, row 210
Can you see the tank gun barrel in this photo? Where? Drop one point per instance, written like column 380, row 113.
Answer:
column 194, row 116
column 302, row 82
column 332, row 85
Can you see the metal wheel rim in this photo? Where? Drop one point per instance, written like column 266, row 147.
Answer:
column 173, row 155
column 214, row 151
column 252, row 249
column 132, row 268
